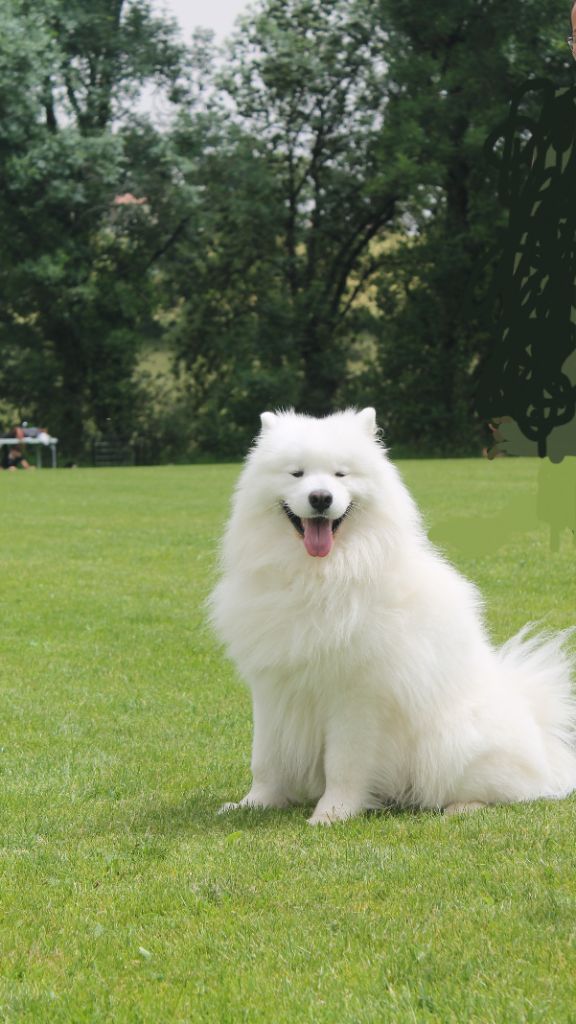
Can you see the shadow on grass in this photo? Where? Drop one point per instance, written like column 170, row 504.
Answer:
column 198, row 813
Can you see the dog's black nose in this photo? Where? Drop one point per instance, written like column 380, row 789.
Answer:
column 320, row 500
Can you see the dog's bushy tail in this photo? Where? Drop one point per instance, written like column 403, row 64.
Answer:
column 543, row 666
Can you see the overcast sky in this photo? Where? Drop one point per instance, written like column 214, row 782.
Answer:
column 218, row 15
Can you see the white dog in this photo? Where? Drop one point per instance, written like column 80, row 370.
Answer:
column 373, row 679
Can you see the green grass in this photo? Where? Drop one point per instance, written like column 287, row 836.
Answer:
column 124, row 898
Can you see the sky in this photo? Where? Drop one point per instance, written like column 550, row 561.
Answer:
column 218, row 15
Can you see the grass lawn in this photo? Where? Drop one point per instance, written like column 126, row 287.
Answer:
column 124, row 898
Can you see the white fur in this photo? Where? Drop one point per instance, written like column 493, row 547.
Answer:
column 372, row 676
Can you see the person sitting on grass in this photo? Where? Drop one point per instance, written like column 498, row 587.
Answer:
column 14, row 459
column 13, row 456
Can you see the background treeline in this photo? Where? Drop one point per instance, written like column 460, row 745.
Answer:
column 308, row 218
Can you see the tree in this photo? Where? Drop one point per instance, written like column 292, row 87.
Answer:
column 454, row 69
column 314, row 227
column 297, row 186
column 74, row 262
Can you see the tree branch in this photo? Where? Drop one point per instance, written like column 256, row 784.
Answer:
column 169, row 242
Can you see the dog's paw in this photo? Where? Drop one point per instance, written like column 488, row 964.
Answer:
column 329, row 813
column 228, row 807
column 463, row 808
column 324, row 818
column 257, row 801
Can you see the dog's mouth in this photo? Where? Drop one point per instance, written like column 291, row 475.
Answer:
column 316, row 532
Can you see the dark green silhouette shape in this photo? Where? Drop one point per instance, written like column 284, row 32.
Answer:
column 525, row 379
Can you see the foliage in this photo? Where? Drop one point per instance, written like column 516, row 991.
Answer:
column 75, row 264
column 350, row 216
column 295, row 188
column 321, row 221
column 456, row 71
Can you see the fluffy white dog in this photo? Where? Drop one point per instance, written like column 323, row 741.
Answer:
column 373, row 679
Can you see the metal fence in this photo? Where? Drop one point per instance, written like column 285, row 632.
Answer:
column 112, row 452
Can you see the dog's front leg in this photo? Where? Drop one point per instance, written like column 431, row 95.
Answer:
column 351, row 745
column 268, row 787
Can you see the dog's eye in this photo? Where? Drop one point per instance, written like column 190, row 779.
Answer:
column 299, row 472
column 340, row 474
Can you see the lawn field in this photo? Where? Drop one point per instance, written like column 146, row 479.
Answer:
column 125, row 898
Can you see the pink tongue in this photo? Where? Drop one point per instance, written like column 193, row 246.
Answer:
column 318, row 537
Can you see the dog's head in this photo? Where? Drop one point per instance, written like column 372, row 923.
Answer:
column 314, row 474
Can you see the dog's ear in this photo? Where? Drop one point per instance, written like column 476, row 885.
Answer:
column 367, row 418
column 267, row 419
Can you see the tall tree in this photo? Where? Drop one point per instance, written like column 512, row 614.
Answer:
column 456, row 66
column 295, row 198
column 75, row 248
